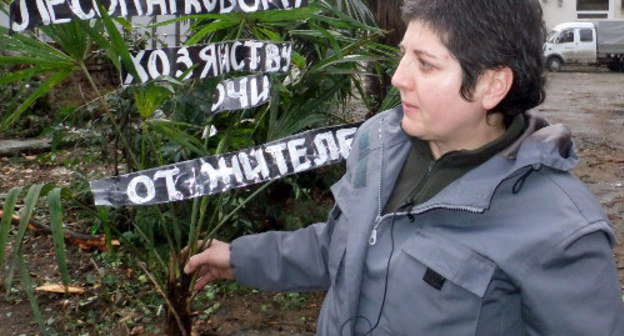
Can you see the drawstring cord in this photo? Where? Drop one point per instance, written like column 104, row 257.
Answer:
column 520, row 182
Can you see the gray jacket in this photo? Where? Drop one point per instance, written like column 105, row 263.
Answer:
column 517, row 246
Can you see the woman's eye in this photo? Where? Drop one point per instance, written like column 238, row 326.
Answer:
column 425, row 65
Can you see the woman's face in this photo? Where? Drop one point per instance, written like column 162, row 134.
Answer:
column 429, row 80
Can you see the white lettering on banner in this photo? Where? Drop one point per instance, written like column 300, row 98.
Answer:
column 53, row 18
column 139, row 8
column 228, row 97
column 112, row 7
column 241, row 94
column 225, row 8
column 24, row 13
column 297, row 152
column 257, row 98
column 287, row 55
column 210, row 59
column 123, row 8
column 147, row 183
column 43, row 12
column 236, row 64
column 277, row 152
column 76, row 7
column 254, row 60
column 184, row 59
column 273, row 58
column 219, row 173
column 260, row 171
column 174, row 195
column 220, row 93
column 161, row 3
column 224, row 58
column 323, row 142
column 210, row 5
column 224, row 173
column 213, row 60
column 173, row 5
column 249, row 8
column 25, row 17
column 152, row 64
column 191, row 7
column 345, row 138
column 136, row 60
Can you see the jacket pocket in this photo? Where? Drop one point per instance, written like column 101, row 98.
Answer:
column 337, row 246
column 436, row 287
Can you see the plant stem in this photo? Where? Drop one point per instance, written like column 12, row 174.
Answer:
column 110, row 115
column 226, row 218
column 164, row 295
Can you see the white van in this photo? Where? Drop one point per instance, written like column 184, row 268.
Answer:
column 600, row 42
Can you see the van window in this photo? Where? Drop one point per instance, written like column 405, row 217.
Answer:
column 566, row 36
column 587, row 35
column 592, row 5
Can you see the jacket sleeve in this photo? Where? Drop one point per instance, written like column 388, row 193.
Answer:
column 574, row 291
column 284, row 261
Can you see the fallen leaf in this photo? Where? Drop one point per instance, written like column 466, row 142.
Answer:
column 138, row 330
column 60, row 289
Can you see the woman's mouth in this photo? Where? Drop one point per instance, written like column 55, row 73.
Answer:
column 409, row 107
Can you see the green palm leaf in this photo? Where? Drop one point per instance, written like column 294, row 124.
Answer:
column 30, row 293
column 7, row 217
column 29, row 206
column 56, row 223
column 45, row 87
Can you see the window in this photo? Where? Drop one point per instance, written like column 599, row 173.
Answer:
column 592, row 16
column 587, row 35
column 592, row 5
column 566, row 36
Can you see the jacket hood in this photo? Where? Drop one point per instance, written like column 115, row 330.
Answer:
column 541, row 144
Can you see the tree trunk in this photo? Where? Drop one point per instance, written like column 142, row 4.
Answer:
column 388, row 16
column 179, row 296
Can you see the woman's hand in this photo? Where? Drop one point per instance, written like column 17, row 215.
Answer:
column 212, row 264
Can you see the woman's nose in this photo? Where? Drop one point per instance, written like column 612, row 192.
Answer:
column 401, row 79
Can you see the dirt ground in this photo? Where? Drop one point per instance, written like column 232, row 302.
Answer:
column 589, row 100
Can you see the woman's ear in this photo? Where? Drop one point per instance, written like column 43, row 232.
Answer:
column 496, row 85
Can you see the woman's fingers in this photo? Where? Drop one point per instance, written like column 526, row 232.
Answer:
column 211, row 264
column 203, row 281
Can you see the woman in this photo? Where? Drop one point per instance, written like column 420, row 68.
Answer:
column 457, row 214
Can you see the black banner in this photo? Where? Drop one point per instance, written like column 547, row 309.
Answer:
column 241, row 93
column 27, row 14
column 219, row 173
column 210, row 60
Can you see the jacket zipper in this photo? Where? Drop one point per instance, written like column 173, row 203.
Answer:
column 372, row 240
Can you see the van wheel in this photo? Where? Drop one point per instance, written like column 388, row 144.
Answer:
column 616, row 64
column 554, row 64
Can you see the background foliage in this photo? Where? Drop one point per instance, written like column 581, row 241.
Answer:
column 142, row 126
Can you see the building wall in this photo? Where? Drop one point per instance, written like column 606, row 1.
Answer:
column 559, row 11
column 165, row 35
column 4, row 20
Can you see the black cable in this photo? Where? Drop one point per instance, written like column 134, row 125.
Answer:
column 407, row 203
column 383, row 299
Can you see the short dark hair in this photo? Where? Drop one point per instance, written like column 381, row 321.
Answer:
column 490, row 34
